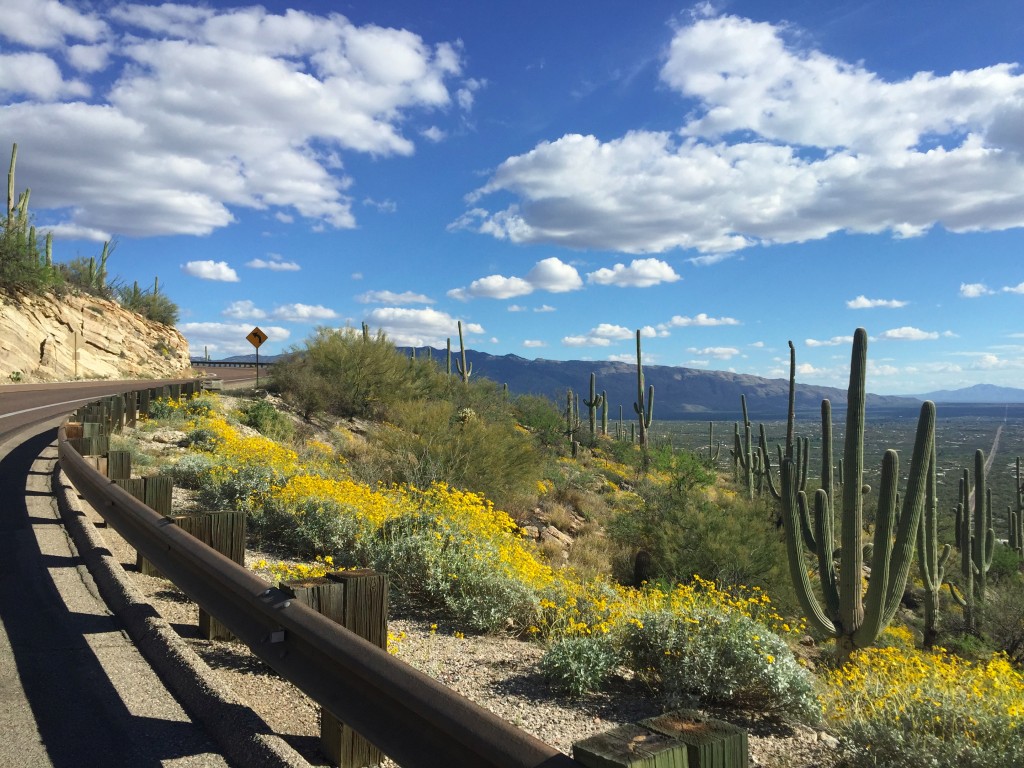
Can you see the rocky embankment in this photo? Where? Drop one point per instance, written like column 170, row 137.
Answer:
column 45, row 338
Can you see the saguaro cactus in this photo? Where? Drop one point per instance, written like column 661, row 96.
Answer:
column 931, row 562
column 743, row 452
column 854, row 618
column 1016, row 515
column 977, row 546
column 593, row 404
column 464, row 370
column 965, row 599
column 644, row 409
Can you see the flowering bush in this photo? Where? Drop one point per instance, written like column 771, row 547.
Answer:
column 905, row 707
column 719, row 656
column 577, row 665
column 452, row 553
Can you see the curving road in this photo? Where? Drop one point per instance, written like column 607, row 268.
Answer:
column 74, row 691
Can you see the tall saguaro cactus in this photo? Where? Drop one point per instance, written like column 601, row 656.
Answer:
column 976, row 546
column 464, row 370
column 644, row 408
column 853, row 617
column 930, row 560
column 1016, row 515
column 593, row 404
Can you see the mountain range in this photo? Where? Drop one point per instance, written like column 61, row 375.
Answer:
column 679, row 393
column 685, row 393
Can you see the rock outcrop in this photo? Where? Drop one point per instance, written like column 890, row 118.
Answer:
column 46, row 338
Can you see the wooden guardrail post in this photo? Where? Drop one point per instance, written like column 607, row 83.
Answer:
column 155, row 492
column 358, row 600
column 681, row 738
column 145, row 395
column 224, row 531
column 131, row 408
column 119, row 465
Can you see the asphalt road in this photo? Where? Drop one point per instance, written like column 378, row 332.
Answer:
column 74, row 691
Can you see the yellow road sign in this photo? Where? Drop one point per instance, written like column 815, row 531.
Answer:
column 256, row 337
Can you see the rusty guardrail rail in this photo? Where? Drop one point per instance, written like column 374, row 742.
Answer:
column 227, row 364
column 409, row 716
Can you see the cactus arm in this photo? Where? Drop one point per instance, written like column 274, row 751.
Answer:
column 823, row 522
column 797, row 566
column 803, row 455
column 851, row 601
column 874, row 605
column 10, row 184
column 766, row 463
column 807, row 529
column 914, row 499
column 791, row 411
column 464, row 370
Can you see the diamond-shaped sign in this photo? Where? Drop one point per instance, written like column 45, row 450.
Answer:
column 256, row 337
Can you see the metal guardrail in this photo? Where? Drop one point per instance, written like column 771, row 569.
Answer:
column 411, row 717
column 227, row 364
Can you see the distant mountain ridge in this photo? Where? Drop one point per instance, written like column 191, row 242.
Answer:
column 679, row 393
column 979, row 393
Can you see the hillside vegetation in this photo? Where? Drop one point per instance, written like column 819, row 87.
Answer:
column 681, row 579
column 27, row 266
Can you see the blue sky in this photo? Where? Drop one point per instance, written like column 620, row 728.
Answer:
column 556, row 175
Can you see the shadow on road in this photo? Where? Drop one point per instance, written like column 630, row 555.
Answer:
column 81, row 718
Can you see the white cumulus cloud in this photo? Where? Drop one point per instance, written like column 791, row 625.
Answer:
column 776, row 142
column 390, row 297
column 419, row 327
column 974, row 290
column 908, row 333
column 641, row 273
column 193, row 112
column 274, row 264
column 210, row 270
column 551, row 274
column 863, row 302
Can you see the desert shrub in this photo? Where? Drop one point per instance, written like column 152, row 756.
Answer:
column 456, row 556
column 1005, row 564
column 267, row 420
column 343, row 373
column 718, row 656
column 580, row 664
column 436, row 442
column 899, row 707
column 202, row 439
column 1004, row 619
column 541, row 417
column 193, row 471
column 166, row 409
column 728, row 541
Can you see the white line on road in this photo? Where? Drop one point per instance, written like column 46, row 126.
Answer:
column 51, row 405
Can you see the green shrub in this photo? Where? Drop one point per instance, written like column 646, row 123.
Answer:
column 268, row 421
column 202, row 439
column 728, row 541
column 310, row 528
column 581, row 664
column 720, row 657
column 434, row 568
column 191, row 471
column 165, row 409
column 347, row 375
column 541, row 417
column 435, row 441
column 898, row 707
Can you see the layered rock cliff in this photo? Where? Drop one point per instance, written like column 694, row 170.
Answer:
column 45, row 338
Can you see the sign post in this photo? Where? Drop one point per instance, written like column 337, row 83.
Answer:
column 256, row 337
